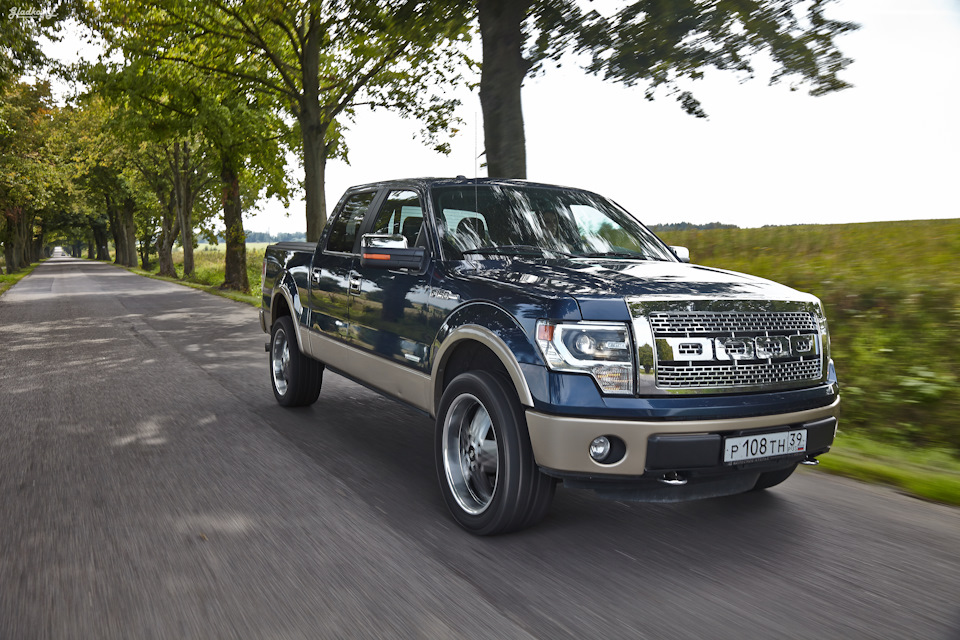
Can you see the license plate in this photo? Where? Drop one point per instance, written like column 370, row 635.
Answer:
column 767, row 445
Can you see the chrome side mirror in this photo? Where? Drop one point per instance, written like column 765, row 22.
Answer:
column 682, row 253
column 384, row 251
column 383, row 241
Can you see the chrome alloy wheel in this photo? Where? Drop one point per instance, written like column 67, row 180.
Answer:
column 470, row 454
column 280, row 362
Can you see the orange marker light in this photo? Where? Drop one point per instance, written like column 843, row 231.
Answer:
column 376, row 256
column 545, row 332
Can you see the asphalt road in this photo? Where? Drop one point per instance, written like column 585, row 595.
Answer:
column 150, row 487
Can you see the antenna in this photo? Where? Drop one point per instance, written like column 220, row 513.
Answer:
column 476, row 170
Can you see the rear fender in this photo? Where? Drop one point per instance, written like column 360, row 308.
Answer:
column 286, row 289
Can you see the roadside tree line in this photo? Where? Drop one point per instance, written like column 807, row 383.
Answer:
column 188, row 119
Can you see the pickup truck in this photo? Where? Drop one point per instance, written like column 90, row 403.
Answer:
column 553, row 338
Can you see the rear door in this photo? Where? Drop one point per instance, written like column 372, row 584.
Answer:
column 334, row 281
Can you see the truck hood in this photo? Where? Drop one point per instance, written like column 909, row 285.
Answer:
column 593, row 281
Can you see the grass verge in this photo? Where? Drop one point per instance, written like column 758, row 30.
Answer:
column 930, row 474
column 249, row 298
column 8, row 281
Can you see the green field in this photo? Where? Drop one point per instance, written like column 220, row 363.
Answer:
column 892, row 297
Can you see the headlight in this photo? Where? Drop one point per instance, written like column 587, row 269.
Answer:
column 602, row 349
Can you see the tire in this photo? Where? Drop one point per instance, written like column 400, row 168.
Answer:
column 295, row 378
column 488, row 477
column 773, row 478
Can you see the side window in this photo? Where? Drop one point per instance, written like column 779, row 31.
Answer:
column 401, row 214
column 344, row 230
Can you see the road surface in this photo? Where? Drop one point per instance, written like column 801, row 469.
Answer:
column 150, row 487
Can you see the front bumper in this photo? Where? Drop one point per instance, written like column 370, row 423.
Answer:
column 561, row 443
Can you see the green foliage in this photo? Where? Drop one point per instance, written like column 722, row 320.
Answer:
column 685, row 226
column 891, row 292
column 661, row 43
column 315, row 61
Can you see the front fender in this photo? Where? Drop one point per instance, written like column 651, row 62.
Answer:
column 495, row 329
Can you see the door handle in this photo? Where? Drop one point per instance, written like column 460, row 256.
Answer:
column 315, row 275
column 355, row 284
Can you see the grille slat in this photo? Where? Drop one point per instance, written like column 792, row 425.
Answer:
column 725, row 376
column 720, row 323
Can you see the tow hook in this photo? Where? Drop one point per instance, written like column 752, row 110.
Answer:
column 673, row 478
column 810, row 461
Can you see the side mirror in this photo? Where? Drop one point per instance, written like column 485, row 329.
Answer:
column 385, row 251
column 682, row 253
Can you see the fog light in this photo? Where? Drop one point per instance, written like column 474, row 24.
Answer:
column 600, row 448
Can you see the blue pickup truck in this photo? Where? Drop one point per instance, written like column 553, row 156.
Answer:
column 553, row 338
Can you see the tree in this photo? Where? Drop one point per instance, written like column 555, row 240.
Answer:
column 216, row 126
column 320, row 60
column 25, row 170
column 658, row 42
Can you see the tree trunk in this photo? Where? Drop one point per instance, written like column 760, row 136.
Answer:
column 169, row 228
column 130, row 233
column 37, row 244
column 146, row 243
column 113, row 217
column 313, row 128
column 23, row 243
column 100, row 239
column 235, row 272
column 501, row 79
column 8, row 256
column 8, row 236
column 183, row 187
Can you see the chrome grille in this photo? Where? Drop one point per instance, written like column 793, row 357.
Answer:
column 727, row 346
column 720, row 323
column 741, row 375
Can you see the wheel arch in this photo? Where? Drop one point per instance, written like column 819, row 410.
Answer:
column 286, row 302
column 470, row 347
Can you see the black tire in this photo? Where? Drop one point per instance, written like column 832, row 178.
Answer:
column 488, row 477
column 773, row 478
column 295, row 378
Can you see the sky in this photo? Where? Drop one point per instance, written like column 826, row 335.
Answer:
column 886, row 149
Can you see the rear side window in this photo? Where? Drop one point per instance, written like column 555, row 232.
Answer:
column 343, row 233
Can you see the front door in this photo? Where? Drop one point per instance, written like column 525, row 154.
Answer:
column 389, row 316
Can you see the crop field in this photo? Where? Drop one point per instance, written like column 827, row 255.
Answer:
column 891, row 292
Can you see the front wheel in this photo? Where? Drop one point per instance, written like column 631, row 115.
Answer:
column 485, row 464
column 295, row 378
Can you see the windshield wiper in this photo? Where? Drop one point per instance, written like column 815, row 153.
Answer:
column 507, row 250
column 613, row 254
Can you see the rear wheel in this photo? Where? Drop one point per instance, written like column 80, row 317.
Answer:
column 773, row 478
column 485, row 464
column 295, row 378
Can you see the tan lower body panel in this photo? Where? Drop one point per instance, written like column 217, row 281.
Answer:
column 562, row 443
column 393, row 379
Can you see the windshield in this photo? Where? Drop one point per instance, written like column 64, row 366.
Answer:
column 539, row 221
